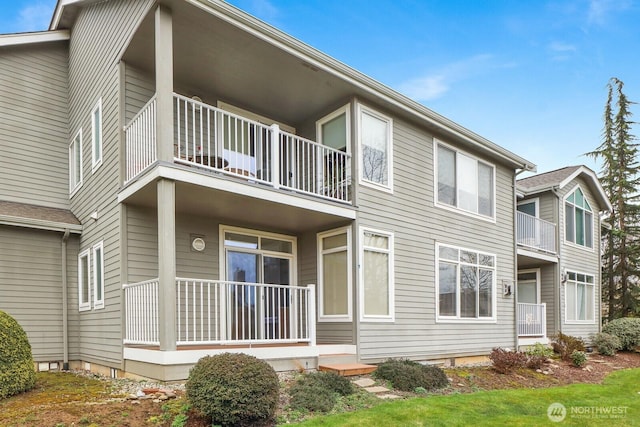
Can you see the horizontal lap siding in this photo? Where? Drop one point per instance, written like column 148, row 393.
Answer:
column 139, row 88
column 31, row 285
column 98, row 37
column 34, row 123
column 581, row 260
column 417, row 226
column 548, row 286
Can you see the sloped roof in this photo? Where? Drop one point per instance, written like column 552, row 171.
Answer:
column 35, row 216
column 559, row 178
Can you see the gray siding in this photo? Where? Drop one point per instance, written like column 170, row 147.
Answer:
column 548, row 286
column 34, row 135
column 99, row 35
column 31, row 285
column 418, row 225
column 581, row 260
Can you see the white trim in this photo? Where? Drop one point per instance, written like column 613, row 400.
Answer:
column 233, row 186
column 96, row 162
column 32, row 38
column 538, row 255
column 319, row 240
column 39, row 224
column 538, row 281
column 75, row 186
column 391, row 291
column 360, row 109
column 184, row 357
column 594, row 219
column 533, row 341
column 84, row 306
column 457, row 151
column 346, row 110
column 332, row 349
column 595, row 298
column 536, row 203
column 97, row 304
column 494, row 296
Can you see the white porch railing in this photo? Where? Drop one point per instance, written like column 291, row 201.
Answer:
column 140, row 140
column 218, row 312
column 208, row 138
column 532, row 320
column 141, row 307
column 536, row 233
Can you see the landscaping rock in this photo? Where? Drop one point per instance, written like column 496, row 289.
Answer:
column 364, row 382
column 376, row 389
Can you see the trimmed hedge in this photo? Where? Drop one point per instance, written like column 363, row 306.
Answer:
column 407, row 375
column 17, row 372
column 627, row 329
column 233, row 389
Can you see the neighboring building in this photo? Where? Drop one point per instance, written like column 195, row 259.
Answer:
column 181, row 179
column 559, row 253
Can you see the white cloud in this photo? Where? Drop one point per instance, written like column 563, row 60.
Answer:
column 561, row 47
column 36, row 16
column 434, row 85
column 599, row 10
column 264, row 9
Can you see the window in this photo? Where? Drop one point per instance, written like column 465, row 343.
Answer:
column 464, row 182
column 375, row 132
column 578, row 220
column 466, row 284
column 84, row 281
column 98, row 276
column 96, row 136
column 334, row 277
column 376, row 280
column 579, row 298
column 75, row 163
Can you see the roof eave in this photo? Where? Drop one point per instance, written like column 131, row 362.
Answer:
column 17, row 39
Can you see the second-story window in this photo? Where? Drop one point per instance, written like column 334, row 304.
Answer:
column 578, row 219
column 464, row 182
column 375, row 134
column 96, row 136
column 75, row 163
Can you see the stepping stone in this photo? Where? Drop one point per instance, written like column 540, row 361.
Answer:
column 389, row 396
column 377, row 389
column 364, row 382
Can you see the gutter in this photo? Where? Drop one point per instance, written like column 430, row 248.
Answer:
column 514, row 291
column 65, row 320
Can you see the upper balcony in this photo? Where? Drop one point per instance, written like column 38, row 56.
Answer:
column 536, row 236
column 219, row 142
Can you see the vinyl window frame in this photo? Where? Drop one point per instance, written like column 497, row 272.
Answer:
column 390, row 317
column 84, row 301
column 75, row 163
column 456, row 207
column 572, row 242
column 97, row 264
column 575, row 282
column 348, row 316
column 363, row 109
column 96, row 136
column 494, row 294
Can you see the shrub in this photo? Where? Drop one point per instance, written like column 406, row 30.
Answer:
column 407, row 375
column 17, row 373
column 565, row 345
column 539, row 349
column 233, row 389
column 318, row 391
column 579, row 358
column 607, row 344
column 505, row 361
column 627, row 329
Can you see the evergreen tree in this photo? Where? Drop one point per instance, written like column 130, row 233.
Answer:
column 620, row 177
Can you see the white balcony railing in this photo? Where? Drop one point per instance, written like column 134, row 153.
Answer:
column 532, row 320
column 218, row 312
column 536, row 233
column 208, row 138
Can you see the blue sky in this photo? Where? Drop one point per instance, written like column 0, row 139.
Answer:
column 529, row 75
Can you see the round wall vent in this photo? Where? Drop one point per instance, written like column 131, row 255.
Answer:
column 198, row 244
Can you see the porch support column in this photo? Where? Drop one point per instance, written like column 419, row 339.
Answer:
column 164, row 83
column 167, row 264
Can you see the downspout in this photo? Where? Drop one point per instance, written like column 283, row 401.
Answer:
column 557, row 323
column 65, row 320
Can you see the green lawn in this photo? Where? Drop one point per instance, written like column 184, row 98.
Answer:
column 620, row 393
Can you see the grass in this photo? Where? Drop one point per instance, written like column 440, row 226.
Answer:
column 522, row 407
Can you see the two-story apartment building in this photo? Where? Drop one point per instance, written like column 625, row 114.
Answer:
column 180, row 179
